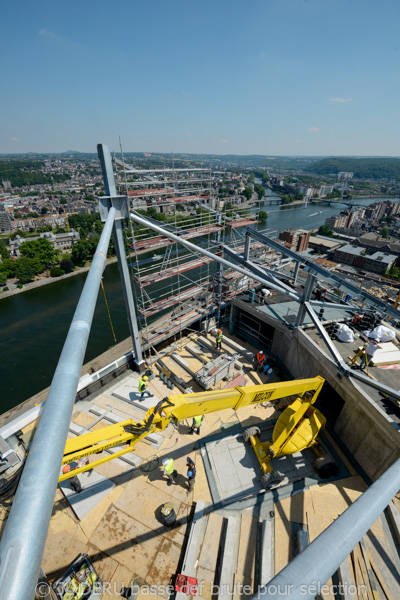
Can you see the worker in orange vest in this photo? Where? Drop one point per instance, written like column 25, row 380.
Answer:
column 260, row 360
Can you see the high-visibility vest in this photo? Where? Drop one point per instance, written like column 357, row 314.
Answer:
column 219, row 337
column 260, row 357
column 197, row 421
column 169, row 468
column 142, row 385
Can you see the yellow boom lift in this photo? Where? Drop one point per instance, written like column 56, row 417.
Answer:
column 296, row 429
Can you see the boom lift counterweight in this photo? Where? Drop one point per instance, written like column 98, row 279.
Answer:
column 297, row 427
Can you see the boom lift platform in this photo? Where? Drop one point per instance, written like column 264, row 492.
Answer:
column 296, row 429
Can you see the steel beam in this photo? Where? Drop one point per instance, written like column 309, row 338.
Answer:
column 142, row 221
column 308, row 288
column 304, row 576
column 25, row 533
column 111, row 191
column 379, row 304
column 342, row 365
column 273, row 282
column 331, row 346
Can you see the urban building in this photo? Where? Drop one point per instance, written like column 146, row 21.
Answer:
column 295, row 239
column 59, row 241
column 355, row 256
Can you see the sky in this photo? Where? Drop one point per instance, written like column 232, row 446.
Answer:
column 271, row 77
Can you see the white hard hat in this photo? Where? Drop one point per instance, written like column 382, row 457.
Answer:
column 165, row 461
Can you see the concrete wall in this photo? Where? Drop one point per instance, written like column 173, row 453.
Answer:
column 367, row 431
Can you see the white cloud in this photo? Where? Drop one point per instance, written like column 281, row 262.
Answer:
column 340, row 100
column 14, row 139
column 225, row 141
column 314, row 129
column 49, row 34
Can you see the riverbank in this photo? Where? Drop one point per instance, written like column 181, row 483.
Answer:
column 46, row 280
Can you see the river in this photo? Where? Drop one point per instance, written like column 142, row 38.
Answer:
column 34, row 324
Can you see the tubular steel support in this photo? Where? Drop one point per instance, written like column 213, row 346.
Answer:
column 25, row 533
column 195, row 248
column 379, row 304
column 111, row 191
column 303, row 578
column 273, row 282
column 342, row 366
column 307, row 295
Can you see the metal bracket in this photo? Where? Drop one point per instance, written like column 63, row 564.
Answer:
column 120, row 203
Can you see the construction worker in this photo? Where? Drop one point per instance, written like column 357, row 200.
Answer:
column 73, row 481
column 196, row 423
column 191, row 474
column 218, row 339
column 168, row 466
column 260, row 360
column 142, row 387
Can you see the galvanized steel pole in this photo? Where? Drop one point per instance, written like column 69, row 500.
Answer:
column 24, row 536
column 303, row 578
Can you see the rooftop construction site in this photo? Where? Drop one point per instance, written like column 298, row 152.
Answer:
column 243, row 442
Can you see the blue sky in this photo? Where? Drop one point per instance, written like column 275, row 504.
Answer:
column 278, row 77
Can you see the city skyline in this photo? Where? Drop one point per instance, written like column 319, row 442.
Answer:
column 278, row 78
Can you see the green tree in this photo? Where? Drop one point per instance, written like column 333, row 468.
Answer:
column 385, row 232
column 287, row 198
column 18, row 232
column 299, row 196
column 325, row 230
column 56, row 272
column 24, row 272
column 40, row 249
column 259, row 190
column 80, row 252
column 3, row 277
column 4, row 252
column 262, row 216
column 43, row 211
column 247, row 193
column 66, row 264
column 9, row 265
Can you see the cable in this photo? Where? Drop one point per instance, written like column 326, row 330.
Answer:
column 8, row 487
column 108, row 310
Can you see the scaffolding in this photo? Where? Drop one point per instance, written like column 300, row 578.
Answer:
column 174, row 287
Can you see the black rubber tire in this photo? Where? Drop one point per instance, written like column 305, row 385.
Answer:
column 271, row 478
column 251, row 431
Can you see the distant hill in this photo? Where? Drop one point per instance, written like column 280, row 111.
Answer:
column 363, row 168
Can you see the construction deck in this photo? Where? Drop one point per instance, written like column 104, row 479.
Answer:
column 230, row 532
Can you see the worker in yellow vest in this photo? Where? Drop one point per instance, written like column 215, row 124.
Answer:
column 142, row 387
column 196, row 424
column 218, row 339
column 170, row 472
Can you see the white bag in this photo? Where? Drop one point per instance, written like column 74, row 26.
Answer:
column 345, row 334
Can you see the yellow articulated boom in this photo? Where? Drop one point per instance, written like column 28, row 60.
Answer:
column 297, row 427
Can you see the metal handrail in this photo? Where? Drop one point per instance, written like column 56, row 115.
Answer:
column 24, row 537
column 304, row 576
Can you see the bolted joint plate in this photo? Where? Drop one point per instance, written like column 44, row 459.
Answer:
column 120, row 203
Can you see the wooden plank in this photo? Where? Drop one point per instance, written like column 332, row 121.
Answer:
column 346, row 578
column 370, row 573
column 364, row 573
column 316, row 525
column 209, row 549
column 247, row 546
column 394, row 515
column 386, row 579
column 283, row 542
column 359, row 580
